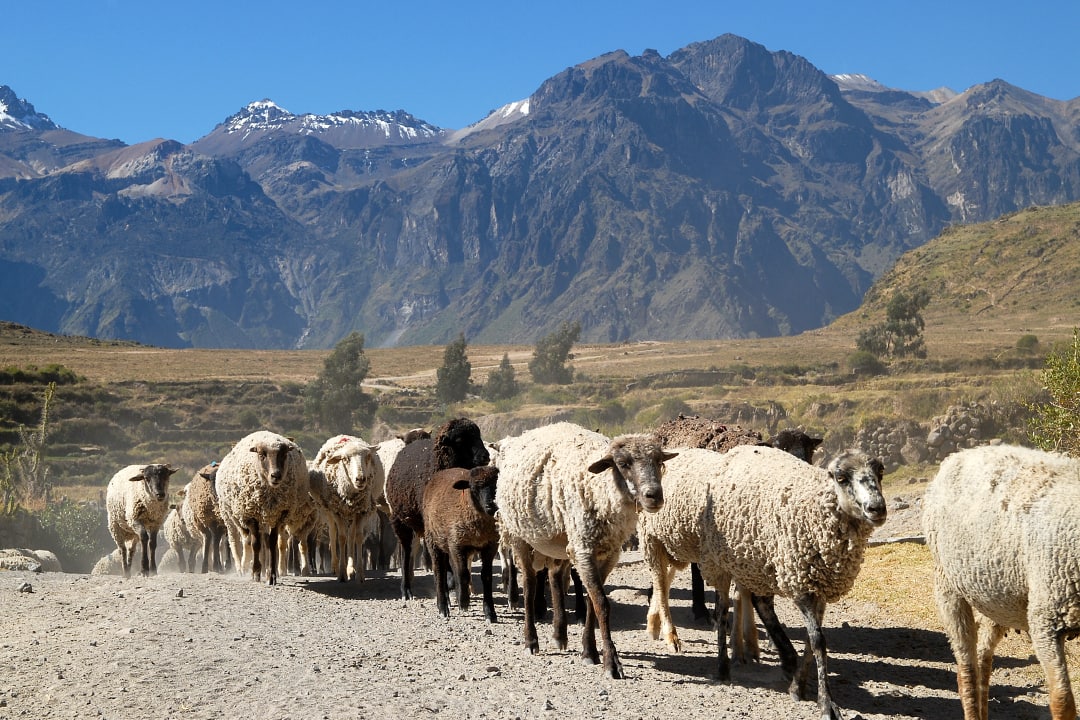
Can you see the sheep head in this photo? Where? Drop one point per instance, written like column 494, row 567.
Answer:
column 481, row 485
column 273, row 459
column 155, row 480
column 458, row 444
column 857, row 479
column 797, row 443
column 637, row 461
column 358, row 460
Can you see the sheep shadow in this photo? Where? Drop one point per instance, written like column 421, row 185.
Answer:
column 870, row 669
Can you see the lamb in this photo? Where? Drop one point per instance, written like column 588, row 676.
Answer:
column 457, row 443
column 258, row 483
column 776, row 526
column 180, row 539
column 202, row 516
column 137, row 503
column 557, row 503
column 1002, row 525
column 355, row 484
column 459, row 519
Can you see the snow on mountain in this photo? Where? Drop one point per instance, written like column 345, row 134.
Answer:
column 506, row 114
column 265, row 116
column 865, row 83
column 16, row 114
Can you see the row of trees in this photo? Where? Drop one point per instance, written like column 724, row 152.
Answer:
column 334, row 399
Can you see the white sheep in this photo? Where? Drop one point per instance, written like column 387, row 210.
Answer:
column 355, row 485
column 558, row 503
column 258, row 483
column 137, row 500
column 775, row 525
column 1002, row 525
column 180, row 538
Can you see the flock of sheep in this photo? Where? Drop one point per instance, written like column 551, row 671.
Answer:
column 1001, row 524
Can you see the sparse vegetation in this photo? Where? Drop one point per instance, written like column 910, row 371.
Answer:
column 548, row 365
column 455, row 374
column 1055, row 424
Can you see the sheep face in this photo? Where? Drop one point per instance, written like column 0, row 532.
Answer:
column 273, row 460
column 858, row 486
column 481, row 485
column 358, row 461
column 155, row 480
column 637, row 461
column 458, row 444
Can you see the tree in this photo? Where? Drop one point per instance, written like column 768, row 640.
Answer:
column 334, row 400
column 901, row 333
column 453, row 376
column 1055, row 424
column 548, row 364
column 501, row 383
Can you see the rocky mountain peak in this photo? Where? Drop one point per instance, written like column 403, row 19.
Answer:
column 17, row 114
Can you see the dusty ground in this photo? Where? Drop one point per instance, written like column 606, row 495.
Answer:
column 208, row 646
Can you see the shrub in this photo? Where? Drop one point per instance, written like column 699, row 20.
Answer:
column 501, row 383
column 78, row 531
column 1055, row 424
column 548, row 364
column 453, row 377
column 1027, row 343
column 864, row 362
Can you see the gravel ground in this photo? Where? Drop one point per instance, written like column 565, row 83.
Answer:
column 209, row 646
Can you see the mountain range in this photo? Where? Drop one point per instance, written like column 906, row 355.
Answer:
column 721, row 191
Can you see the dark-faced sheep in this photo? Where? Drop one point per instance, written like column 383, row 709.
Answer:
column 137, row 503
column 776, row 526
column 456, row 444
column 1002, row 525
column 570, row 495
column 459, row 520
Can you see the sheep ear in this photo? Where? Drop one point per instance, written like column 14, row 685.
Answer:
column 878, row 467
column 814, row 442
column 461, row 485
column 170, row 469
column 139, row 475
column 665, row 455
column 602, row 464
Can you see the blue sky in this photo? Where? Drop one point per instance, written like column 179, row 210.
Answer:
column 140, row 69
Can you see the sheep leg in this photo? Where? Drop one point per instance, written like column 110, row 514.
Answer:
column 459, row 565
column 405, row 539
column 722, row 620
column 697, row 594
column 959, row 621
column 557, row 576
column 813, row 611
column 487, row 561
column 439, row 561
column 207, row 540
column 789, row 659
column 1050, row 650
column 598, row 612
column 658, row 621
column 272, row 546
column 580, row 607
column 127, row 552
column 523, row 559
column 255, row 534
column 744, row 639
column 144, row 543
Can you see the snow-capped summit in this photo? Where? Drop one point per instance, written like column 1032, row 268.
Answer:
column 500, row 116
column 343, row 129
column 864, row 83
column 16, row 114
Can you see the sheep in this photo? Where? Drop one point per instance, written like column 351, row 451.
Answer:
column 355, row 484
column 557, row 503
column 180, row 538
column 202, row 516
column 459, row 519
column 699, row 432
column 1002, row 524
column 776, row 526
column 137, row 503
column 301, row 523
column 457, row 443
column 258, row 482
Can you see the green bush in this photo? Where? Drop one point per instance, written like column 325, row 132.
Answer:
column 78, row 531
column 863, row 362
